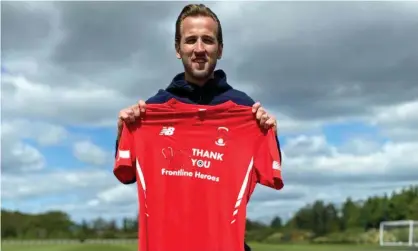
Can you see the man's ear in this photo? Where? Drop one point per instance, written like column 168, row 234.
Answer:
column 177, row 48
column 220, row 51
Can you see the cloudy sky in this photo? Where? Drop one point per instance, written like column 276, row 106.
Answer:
column 341, row 78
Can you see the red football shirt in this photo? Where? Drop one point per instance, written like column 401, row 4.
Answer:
column 196, row 167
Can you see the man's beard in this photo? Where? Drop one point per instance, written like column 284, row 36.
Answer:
column 204, row 74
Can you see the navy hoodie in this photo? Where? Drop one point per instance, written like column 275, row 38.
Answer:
column 215, row 91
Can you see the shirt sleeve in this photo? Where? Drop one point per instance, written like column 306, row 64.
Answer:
column 268, row 162
column 124, row 168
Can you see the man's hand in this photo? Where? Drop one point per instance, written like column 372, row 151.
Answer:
column 130, row 114
column 266, row 120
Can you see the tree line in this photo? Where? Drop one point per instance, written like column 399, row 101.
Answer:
column 317, row 222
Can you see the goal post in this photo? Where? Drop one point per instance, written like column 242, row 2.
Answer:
column 399, row 233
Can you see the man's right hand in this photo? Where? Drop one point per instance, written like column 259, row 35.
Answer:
column 130, row 114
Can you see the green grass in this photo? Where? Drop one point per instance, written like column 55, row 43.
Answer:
column 69, row 247
column 121, row 247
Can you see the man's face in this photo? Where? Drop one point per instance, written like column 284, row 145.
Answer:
column 199, row 48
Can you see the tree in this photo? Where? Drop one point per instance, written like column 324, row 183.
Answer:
column 350, row 215
column 276, row 223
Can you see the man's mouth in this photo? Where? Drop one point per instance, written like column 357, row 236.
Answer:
column 199, row 60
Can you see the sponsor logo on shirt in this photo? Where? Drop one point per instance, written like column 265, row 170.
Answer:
column 200, row 159
column 221, row 138
column 167, row 152
column 207, row 154
column 176, row 158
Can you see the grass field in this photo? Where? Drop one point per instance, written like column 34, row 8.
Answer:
column 255, row 247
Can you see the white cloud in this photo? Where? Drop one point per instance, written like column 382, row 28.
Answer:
column 401, row 113
column 19, row 157
column 44, row 133
column 360, row 146
column 389, row 160
column 38, row 185
column 90, row 153
column 74, row 105
column 400, row 122
column 303, row 145
column 16, row 155
column 288, row 125
column 116, row 195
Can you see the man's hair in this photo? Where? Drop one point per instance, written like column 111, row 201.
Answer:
column 196, row 10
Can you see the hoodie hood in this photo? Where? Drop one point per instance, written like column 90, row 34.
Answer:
column 199, row 94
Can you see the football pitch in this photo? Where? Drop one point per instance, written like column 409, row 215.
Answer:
column 254, row 246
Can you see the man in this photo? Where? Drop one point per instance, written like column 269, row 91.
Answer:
column 198, row 44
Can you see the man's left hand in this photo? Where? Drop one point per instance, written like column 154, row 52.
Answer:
column 266, row 120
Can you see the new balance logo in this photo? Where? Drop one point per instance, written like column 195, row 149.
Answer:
column 167, row 131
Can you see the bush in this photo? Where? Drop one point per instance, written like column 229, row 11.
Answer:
column 353, row 236
column 258, row 235
column 337, row 238
column 274, row 238
column 369, row 237
column 297, row 236
column 321, row 240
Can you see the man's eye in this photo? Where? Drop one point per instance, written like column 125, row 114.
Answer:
column 208, row 41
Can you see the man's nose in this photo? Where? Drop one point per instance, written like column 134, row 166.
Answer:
column 200, row 47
